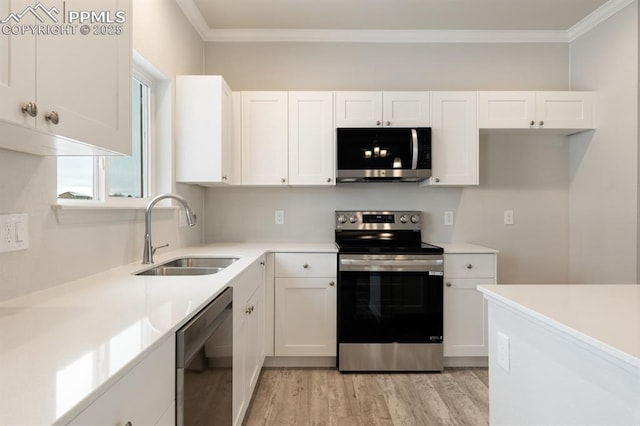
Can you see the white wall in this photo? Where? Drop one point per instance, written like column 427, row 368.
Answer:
column 604, row 164
column 527, row 174
column 89, row 242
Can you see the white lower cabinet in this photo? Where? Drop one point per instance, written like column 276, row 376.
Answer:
column 465, row 310
column 248, row 335
column 144, row 396
column 305, row 304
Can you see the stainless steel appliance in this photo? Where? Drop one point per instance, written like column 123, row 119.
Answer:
column 383, row 154
column 390, row 293
column 204, row 361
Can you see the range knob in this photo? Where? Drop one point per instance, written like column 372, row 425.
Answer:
column 415, row 218
column 353, row 218
column 342, row 218
column 403, row 218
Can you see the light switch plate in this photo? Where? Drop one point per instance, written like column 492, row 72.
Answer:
column 508, row 217
column 14, row 232
column 279, row 217
column 448, row 218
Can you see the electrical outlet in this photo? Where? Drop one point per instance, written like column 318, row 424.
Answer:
column 279, row 217
column 508, row 217
column 503, row 351
column 448, row 218
column 14, row 232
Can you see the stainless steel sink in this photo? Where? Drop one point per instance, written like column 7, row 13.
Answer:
column 190, row 266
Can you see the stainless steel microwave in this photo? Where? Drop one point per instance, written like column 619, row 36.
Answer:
column 383, row 154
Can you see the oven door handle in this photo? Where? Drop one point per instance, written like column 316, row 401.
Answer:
column 369, row 262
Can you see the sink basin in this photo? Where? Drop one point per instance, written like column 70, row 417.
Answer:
column 190, row 266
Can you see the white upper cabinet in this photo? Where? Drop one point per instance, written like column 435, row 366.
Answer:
column 570, row 111
column 382, row 109
column 311, row 138
column 264, row 138
column 76, row 88
column 454, row 139
column 204, row 119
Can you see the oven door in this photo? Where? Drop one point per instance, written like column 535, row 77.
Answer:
column 390, row 299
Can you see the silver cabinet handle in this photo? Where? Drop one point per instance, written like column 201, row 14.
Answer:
column 378, row 122
column 53, row 117
column 448, row 284
column 30, row 108
column 305, row 266
column 469, row 266
column 332, row 283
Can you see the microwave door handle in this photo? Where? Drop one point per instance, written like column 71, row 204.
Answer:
column 414, row 147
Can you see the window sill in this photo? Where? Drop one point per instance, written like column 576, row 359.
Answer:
column 87, row 211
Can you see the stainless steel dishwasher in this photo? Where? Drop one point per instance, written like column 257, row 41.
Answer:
column 204, row 361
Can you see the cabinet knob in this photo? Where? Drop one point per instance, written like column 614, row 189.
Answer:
column 224, row 178
column 332, row 283
column 533, row 123
column 388, row 123
column 437, row 180
column 378, row 123
column 328, row 180
column 283, row 180
column 469, row 266
column 448, row 284
column 30, row 108
column 128, row 424
column 305, row 266
column 541, row 123
column 53, row 117
column 262, row 263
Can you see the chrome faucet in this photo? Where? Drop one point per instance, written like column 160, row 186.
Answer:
column 149, row 249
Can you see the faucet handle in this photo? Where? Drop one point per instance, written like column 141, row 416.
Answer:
column 153, row 249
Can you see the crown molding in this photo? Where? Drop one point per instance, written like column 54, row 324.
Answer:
column 207, row 34
column 384, row 36
column 595, row 18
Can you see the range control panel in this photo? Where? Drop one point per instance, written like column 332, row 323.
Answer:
column 397, row 220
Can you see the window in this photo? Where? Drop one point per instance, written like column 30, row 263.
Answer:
column 103, row 179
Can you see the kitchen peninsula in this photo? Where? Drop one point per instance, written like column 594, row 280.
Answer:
column 564, row 354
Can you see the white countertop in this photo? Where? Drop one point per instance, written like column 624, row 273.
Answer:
column 606, row 317
column 62, row 347
column 464, row 248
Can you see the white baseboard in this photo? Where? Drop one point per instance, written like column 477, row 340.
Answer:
column 300, row 361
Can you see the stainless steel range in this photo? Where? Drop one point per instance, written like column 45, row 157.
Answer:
column 390, row 290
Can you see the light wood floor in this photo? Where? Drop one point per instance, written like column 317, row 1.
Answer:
column 310, row 396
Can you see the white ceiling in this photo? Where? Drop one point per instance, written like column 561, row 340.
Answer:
column 339, row 20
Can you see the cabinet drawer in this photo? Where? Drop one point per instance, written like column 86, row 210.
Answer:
column 306, row 265
column 469, row 265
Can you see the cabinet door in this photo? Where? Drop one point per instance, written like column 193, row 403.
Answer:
column 141, row 397
column 17, row 65
column 305, row 317
column 203, row 129
column 358, row 109
column 465, row 318
column 254, row 340
column 264, row 138
column 405, row 109
column 454, row 138
column 566, row 110
column 311, row 136
column 506, row 110
column 86, row 80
